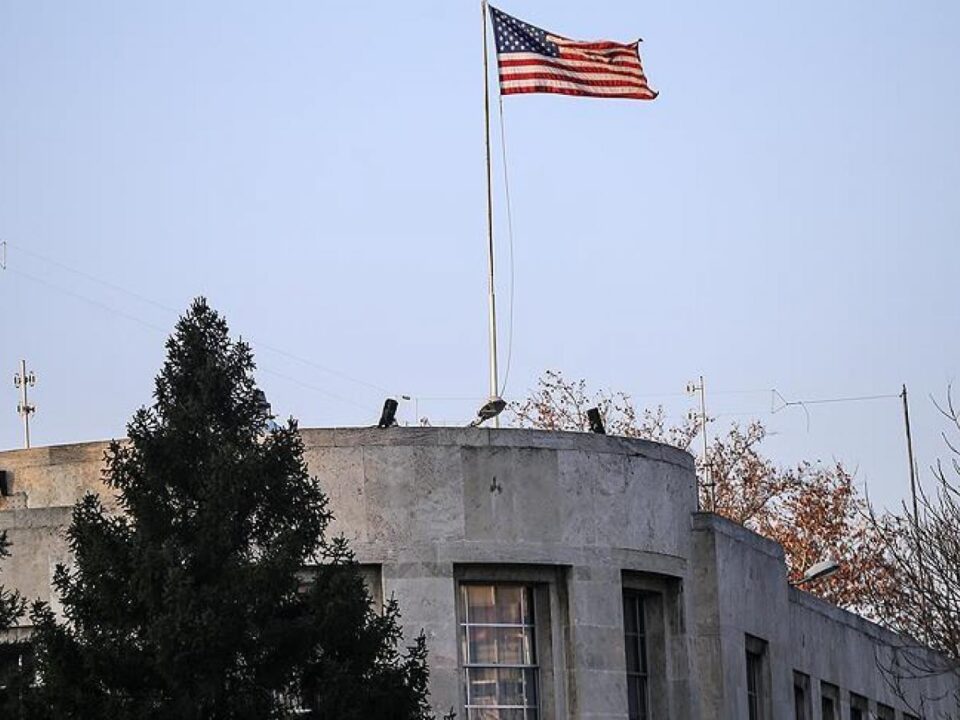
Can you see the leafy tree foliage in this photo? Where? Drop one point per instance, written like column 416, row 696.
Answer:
column 813, row 511
column 193, row 603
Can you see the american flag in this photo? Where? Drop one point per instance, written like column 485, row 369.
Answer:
column 532, row 60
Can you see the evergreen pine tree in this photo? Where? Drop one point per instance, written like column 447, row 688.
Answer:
column 11, row 604
column 13, row 679
column 194, row 603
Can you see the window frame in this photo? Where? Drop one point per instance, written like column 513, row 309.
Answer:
column 859, row 707
column 640, row 601
column 665, row 638
column 802, row 705
column 829, row 692
column 372, row 575
column 885, row 712
column 755, row 658
column 548, row 586
column 529, row 668
column 18, row 664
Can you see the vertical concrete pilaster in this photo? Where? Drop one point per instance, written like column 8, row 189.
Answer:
column 597, row 679
column 427, row 597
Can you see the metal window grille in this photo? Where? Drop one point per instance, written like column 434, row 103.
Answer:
column 635, row 643
column 498, row 645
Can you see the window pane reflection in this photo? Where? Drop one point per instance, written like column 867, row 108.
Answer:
column 499, row 652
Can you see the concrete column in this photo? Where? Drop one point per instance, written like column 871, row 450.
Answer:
column 427, row 596
column 599, row 681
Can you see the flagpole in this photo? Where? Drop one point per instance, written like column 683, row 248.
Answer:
column 494, row 381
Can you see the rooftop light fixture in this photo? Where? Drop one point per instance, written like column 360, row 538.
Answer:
column 819, row 571
column 260, row 397
column 388, row 418
column 596, row 421
column 490, row 409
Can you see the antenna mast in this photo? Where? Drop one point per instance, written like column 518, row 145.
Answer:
column 22, row 380
column 694, row 388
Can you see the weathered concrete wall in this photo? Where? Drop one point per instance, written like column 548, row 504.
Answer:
column 44, row 484
column 38, row 543
column 741, row 589
column 55, row 476
column 423, row 502
column 580, row 514
column 846, row 650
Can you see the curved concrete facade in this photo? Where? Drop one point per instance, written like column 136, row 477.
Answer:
column 427, row 504
column 586, row 524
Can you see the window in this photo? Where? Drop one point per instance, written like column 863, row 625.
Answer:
column 859, row 707
column 754, row 685
column 369, row 573
column 635, row 642
column 498, row 646
column 373, row 581
column 757, row 701
column 885, row 712
column 16, row 672
column 510, row 652
column 801, row 696
column 829, row 702
column 652, row 625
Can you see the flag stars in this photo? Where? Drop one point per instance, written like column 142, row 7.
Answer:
column 513, row 35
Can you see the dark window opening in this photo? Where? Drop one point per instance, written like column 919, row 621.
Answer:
column 17, row 673
column 754, row 685
column 801, row 696
column 635, row 642
column 859, row 707
column 829, row 701
column 758, row 703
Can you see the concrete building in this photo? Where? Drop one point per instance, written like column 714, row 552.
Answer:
column 556, row 575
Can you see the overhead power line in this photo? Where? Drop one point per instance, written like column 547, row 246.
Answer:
column 162, row 306
column 153, row 326
column 778, row 401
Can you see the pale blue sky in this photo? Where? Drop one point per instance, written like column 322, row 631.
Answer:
column 784, row 216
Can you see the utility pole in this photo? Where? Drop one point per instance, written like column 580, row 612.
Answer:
column 913, row 466
column 693, row 388
column 22, row 380
column 913, row 496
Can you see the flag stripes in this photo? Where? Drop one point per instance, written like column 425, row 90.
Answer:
column 531, row 60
